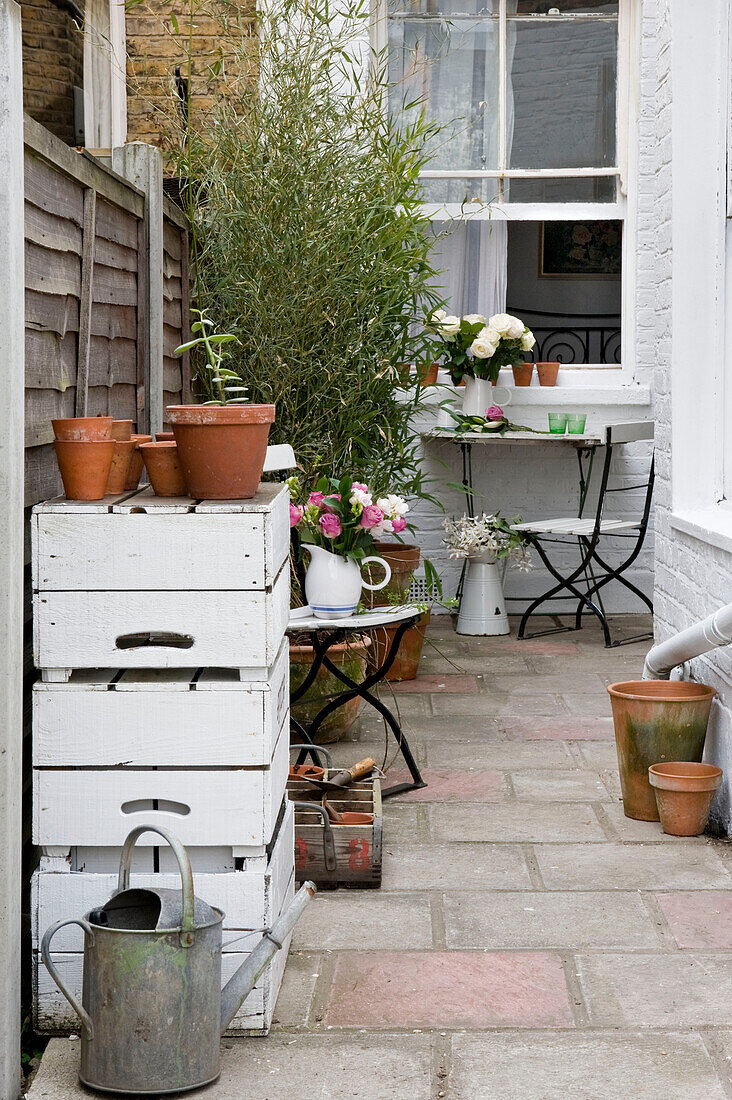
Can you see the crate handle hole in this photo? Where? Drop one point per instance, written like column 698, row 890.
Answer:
column 146, row 805
column 148, row 638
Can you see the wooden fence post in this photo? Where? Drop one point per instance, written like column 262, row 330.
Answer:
column 85, row 302
column 12, row 381
column 143, row 165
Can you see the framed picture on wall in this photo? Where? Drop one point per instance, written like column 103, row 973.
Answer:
column 580, row 250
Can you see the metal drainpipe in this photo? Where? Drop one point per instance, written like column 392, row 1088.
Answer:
column 69, row 6
column 710, row 633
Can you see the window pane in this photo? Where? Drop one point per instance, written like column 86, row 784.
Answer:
column 561, row 94
column 460, row 190
column 543, row 7
column 453, row 70
column 554, row 285
column 443, row 7
column 601, row 189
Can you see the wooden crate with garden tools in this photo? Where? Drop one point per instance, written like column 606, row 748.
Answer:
column 330, row 852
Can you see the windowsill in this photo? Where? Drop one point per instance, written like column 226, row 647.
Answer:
column 593, row 386
column 712, row 525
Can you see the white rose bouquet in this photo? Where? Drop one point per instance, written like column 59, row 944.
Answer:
column 473, row 347
column 471, row 535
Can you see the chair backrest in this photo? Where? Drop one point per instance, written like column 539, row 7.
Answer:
column 631, row 431
column 280, row 456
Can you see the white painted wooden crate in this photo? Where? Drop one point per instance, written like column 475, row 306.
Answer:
column 191, row 718
column 145, row 582
column 250, row 899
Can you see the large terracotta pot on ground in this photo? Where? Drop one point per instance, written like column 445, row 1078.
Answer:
column 684, row 793
column 656, row 721
column 408, row 656
column 348, row 656
column 221, row 448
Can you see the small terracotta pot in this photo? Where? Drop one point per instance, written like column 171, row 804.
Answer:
column 346, row 817
column 163, row 468
column 164, row 437
column 684, row 793
column 522, row 373
column 117, row 480
column 427, row 373
column 84, row 466
column 306, row 771
column 122, row 429
column 656, row 721
column 135, row 471
column 402, row 372
column 406, row 662
column 222, row 448
column 547, row 373
column 83, row 429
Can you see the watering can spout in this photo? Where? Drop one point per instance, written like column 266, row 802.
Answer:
column 240, row 984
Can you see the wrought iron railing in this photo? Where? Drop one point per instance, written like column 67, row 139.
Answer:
column 572, row 337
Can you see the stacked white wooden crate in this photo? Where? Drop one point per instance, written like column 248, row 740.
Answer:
column 159, row 630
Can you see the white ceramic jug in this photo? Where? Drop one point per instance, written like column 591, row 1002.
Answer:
column 333, row 584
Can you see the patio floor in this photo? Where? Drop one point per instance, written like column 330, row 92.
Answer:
column 528, row 941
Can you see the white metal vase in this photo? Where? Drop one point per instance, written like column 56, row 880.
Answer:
column 333, row 584
column 482, row 607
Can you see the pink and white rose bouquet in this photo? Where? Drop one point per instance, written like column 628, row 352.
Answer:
column 343, row 517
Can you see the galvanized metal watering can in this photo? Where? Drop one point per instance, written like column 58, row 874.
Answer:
column 152, row 1009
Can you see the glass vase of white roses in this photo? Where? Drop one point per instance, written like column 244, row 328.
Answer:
column 473, row 349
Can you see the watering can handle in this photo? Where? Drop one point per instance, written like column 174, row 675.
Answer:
column 184, row 866
column 329, row 852
column 83, row 1015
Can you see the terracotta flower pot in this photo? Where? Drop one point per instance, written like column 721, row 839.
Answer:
column 547, row 373
column 117, row 480
column 163, row 468
column 348, row 656
column 135, row 471
column 406, row 662
column 306, row 771
column 83, row 429
column 222, row 448
column 122, row 429
column 522, row 373
column 684, row 793
column 403, row 559
column 656, row 721
column 164, row 437
column 427, row 373
column 84, row 466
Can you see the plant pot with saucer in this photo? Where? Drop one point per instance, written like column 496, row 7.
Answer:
column 222, row 444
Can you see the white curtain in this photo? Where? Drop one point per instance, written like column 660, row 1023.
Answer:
column 471, row 256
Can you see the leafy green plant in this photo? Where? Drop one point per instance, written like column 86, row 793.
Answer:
column 222, row 383
column 309, row 238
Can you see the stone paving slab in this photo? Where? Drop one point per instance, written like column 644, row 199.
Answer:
column 443, row 683
column 595, row 706
column 453, row 785
column 599, row 754
column 297, row 989
column 670, row 990
column 619, row 1065
column 548, row 920
column 535, row 784
column 456, row 728
column 498, row 704
column 627, row 828
column 560, row 727
column 440, row 866
column 556, row 683
column 502, row 755
column 699, row 920
column 449, row 989
column 336, row 920
column 516, row 823
column 630, row 867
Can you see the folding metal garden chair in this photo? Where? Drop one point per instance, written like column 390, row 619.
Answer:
column 586, row 580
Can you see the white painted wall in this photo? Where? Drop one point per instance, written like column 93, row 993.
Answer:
column 12, row 381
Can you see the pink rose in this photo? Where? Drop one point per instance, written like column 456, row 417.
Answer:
column 330, row 525
column 371, row 516
column 296, row 511
column 360, row 485
column 316, row 499
column 398, row 524
column 330, row 496
column 495, row 412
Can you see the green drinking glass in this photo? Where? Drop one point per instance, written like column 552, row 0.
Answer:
column 557, row 423
column 576, row 423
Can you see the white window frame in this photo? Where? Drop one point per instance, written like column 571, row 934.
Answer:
column 622, row 209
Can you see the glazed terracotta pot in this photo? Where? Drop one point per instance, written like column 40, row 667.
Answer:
column 350, row 657
column 117, row 480
column 164, row 437
column 83, row 429
column 222, row 448
column 164, row 469
column 84, row 466
column 406, row 662
column 684, row 793
column 135, row 471
column 403, row 560
column 656, row 721
column 122, row 429
column 522, row 373
column 547, row 373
